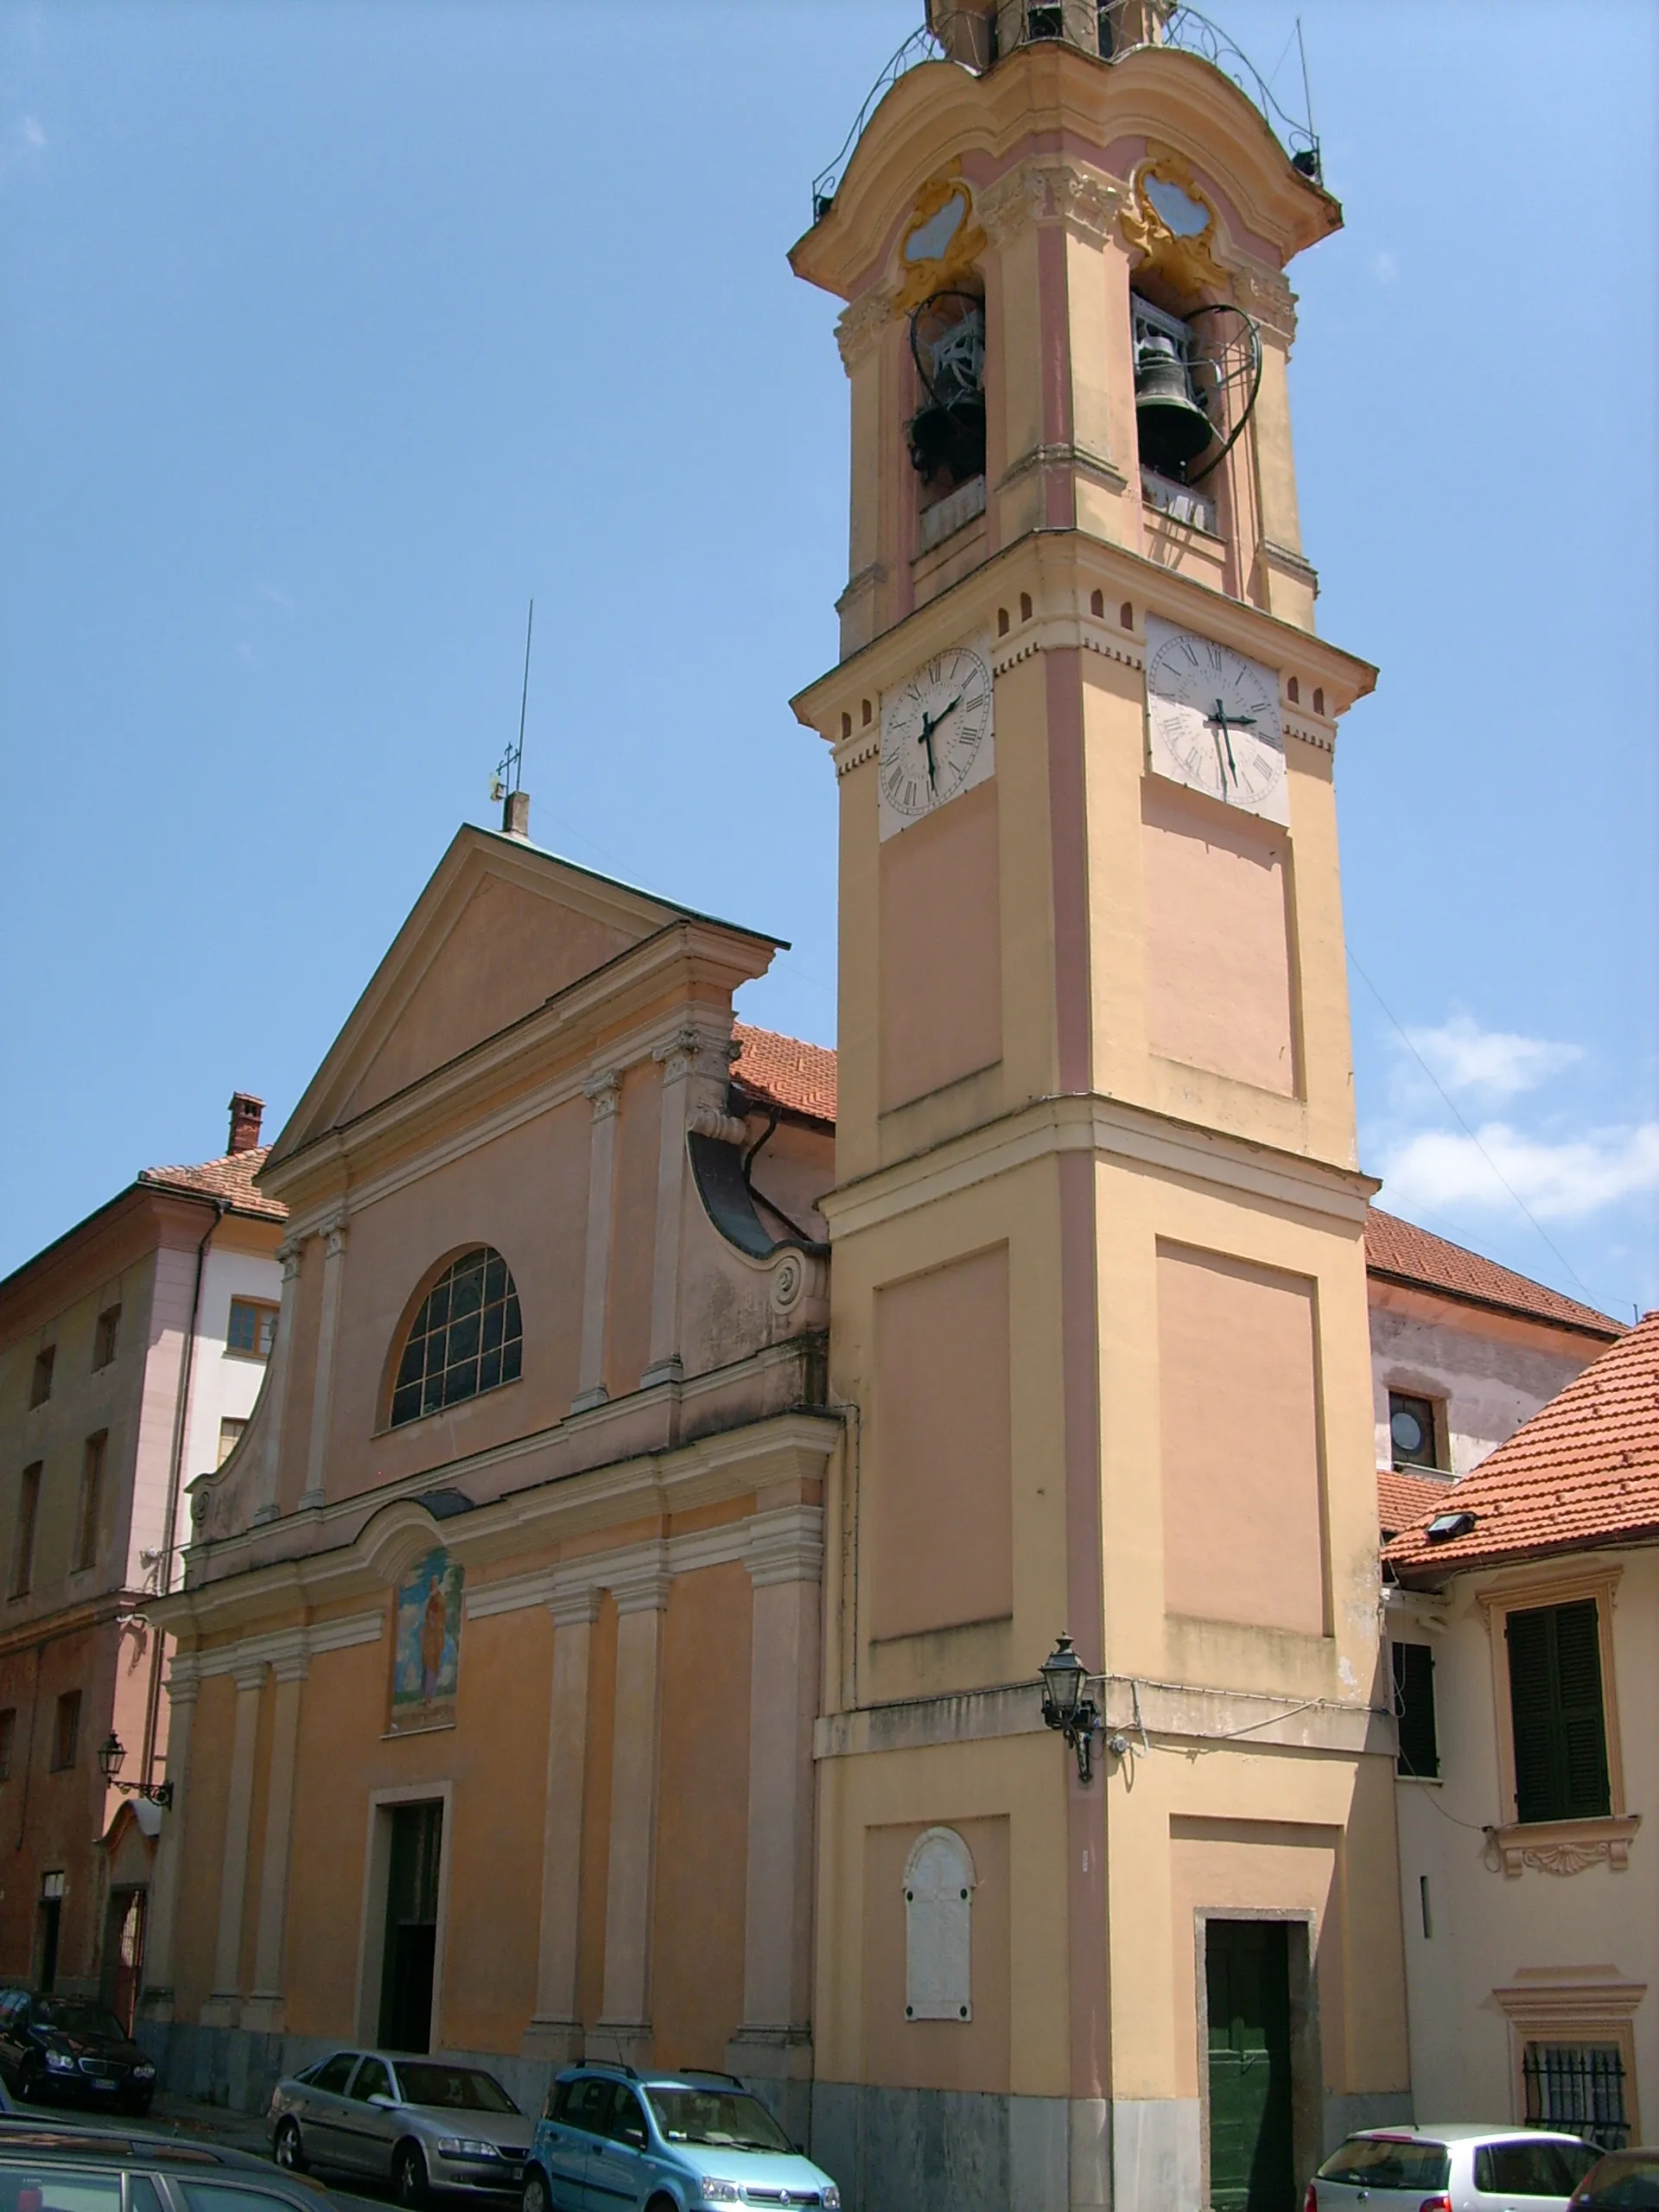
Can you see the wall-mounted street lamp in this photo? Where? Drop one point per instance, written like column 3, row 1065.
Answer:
column 111, row 1753
column 1065, row 1707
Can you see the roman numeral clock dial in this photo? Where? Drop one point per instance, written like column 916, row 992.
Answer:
column 936, row 736
column 1213, row 721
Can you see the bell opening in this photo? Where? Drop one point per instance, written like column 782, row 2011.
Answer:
column 1172, row 427
column 946, row 434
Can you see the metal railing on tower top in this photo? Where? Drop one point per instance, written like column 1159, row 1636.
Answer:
column 1185, row 28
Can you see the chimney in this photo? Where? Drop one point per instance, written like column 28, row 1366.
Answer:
column 515, row 814
column 246, row 1113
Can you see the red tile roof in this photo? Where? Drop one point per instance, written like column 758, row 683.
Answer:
column 229, row 1178
column 783, row 1072
column 1401, row 1251
column 1403, row 1500
column 1583, row 1471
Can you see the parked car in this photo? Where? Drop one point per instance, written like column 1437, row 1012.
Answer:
column 92, row 2170
column 1625, row 2180
column 1452, row 2169
column 70, row 2047
column 421, row 2123
column 610, row 2137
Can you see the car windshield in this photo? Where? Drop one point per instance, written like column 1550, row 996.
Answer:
column 1390, row 2162
column 456, row 2089
column 727, row 2117
column 77, row 2017
column 1623, row 2185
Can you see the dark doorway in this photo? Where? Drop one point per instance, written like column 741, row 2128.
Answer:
column 1252, row 2143
column 412, row 1927
column 124, row 1954
column 51, row 1917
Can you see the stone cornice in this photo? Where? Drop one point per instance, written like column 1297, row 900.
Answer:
column 378, row 1536
column 1113, row 1128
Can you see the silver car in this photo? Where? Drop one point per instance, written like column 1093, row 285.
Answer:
column 1452, row 2169
column 425, row 2125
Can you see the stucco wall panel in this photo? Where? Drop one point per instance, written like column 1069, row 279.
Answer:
column 940, row 945
column 702, row 1823
column 1239, row 1418
column 1218, row 967
column 971, row 2054
column 339, row 1760
column 204, row 1845
column 941, row 1474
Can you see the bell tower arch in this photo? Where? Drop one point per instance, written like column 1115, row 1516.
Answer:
column 1098, row 1288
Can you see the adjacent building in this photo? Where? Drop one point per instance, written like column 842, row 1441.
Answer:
column 1523, row 1611
column 131, row 1352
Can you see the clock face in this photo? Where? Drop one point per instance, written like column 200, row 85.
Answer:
column 936, row 736
column 1213, row 721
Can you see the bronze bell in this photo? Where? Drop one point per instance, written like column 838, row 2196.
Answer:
column 1173, row 429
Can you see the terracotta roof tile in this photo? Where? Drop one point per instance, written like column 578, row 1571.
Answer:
column 784, row 1072
column 1403, row 1250
column 1584, row 1471
column 1403, row 1500
column 229, row 1178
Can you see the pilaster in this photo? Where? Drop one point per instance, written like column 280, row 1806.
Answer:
column 641, row 1597
column 785, row 1564
column 223, row 2007
column 697, row 1070
column 276, row 1387
column 334, row 1268
column 183, row 1685
column 556, row 2034
column 605, row 1095
column 264, row 2010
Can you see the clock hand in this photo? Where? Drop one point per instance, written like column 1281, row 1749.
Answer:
column 1218, row 721
column 929, row 725
column 950, row 710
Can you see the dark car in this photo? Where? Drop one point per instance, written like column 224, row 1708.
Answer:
column 1625, row 2180
column 69, row 2046
column 73, row 2168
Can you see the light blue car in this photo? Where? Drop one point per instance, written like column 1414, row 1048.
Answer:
column 612, row 2140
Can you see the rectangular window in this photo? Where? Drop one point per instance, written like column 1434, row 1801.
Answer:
column 39, row 1389
column 1555, row 1710
column 252, row 1330
column 106, row 1336
column 1578, row 2088
column 91, row 1497
column 230, row 1435
column 1413, row 1708
column 1414, row 1431
column 28, row 1513
column 8, row 1738
column 65, row 1731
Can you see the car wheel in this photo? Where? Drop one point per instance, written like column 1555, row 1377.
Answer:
column 287, row 2150
column 536, row 2198
column 408, row 2174
column 137, row 2106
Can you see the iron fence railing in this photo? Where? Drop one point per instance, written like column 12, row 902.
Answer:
column 1183, row 28
column 1578, row 2087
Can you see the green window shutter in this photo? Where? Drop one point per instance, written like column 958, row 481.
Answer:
column 1584, row 1729
column 1558, row 1732
column 1413, row 1706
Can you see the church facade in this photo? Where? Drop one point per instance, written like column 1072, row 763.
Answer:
column 617, row 1631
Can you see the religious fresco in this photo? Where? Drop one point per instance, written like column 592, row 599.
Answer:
column 426, row 1650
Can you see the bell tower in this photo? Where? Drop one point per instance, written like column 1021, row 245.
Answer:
column 1098, row 1288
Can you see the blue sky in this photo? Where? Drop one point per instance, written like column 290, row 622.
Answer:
column 328, row 333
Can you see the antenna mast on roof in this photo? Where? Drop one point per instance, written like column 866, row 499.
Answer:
column 506, row 783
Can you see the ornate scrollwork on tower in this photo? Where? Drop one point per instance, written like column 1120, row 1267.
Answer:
column 1169, row 222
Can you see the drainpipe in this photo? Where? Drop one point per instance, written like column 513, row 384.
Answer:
column 176, row 1481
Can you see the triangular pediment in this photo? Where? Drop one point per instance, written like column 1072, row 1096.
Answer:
column 500, row 927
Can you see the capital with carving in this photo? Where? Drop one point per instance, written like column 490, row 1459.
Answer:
column 1267, row 298
column 289, row 1253
column 859, row 327
column 1051, row 189
column 604, row 1093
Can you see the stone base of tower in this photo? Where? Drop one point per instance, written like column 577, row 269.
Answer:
column 947, row 2150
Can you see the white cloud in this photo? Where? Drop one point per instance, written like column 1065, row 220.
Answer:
column 1437, row 1170
column 1494, row 1064
column 22, row 143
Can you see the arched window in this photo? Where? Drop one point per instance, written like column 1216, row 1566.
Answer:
column 465, row 1338
column 939, row 1884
